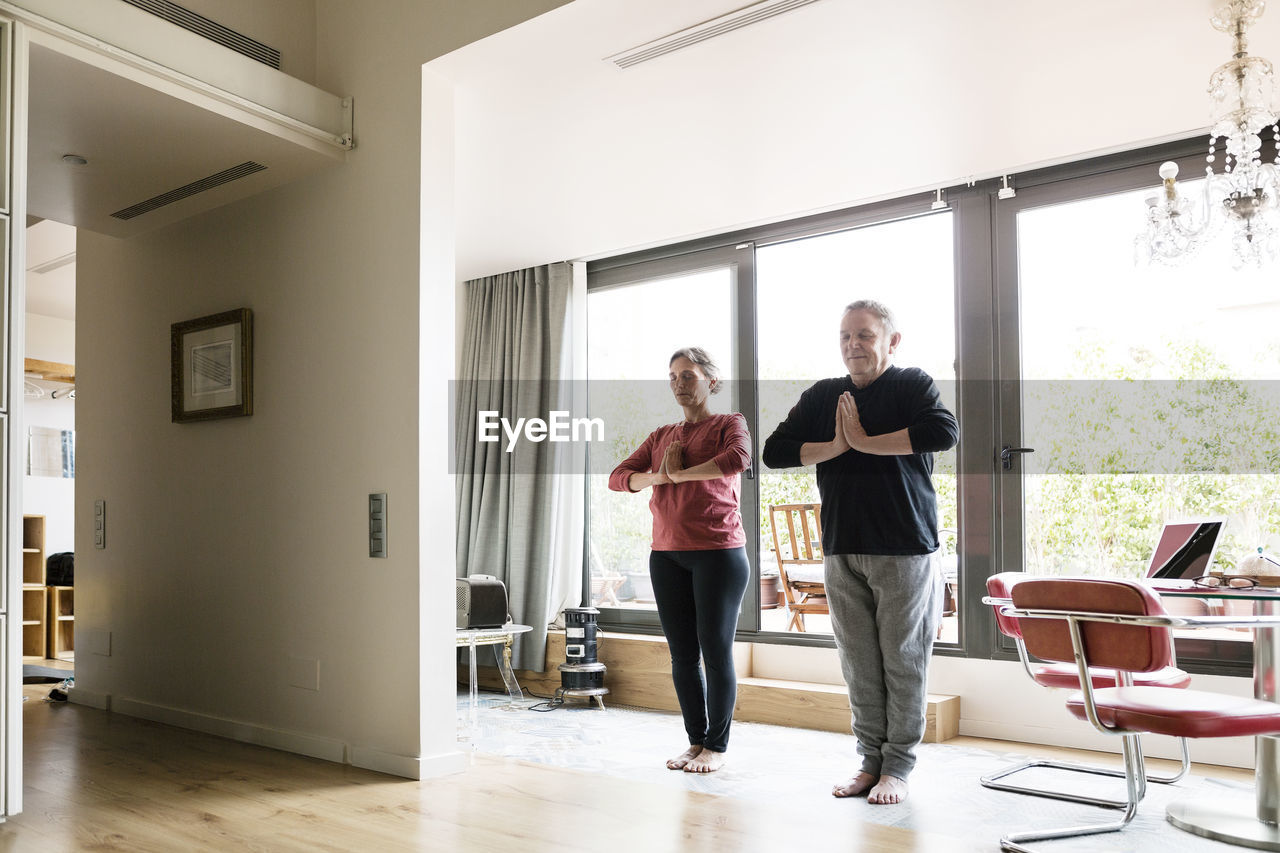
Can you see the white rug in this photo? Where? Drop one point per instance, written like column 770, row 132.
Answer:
column 778, row 765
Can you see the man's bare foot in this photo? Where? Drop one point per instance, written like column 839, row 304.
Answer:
column 855, row 787
column 889, row 790
column 681, row 760
column 708, row 761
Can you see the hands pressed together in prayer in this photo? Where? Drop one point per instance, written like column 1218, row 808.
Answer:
column 671, row 468
column 849, row 431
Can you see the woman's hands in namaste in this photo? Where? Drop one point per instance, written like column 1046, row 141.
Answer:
column 672, row 464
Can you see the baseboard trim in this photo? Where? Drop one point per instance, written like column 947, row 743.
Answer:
column 408, row 767
column 88, row 698
column 296, row 742
column 1081, row 737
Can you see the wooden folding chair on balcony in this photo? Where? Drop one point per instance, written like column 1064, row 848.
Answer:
column 800, row 564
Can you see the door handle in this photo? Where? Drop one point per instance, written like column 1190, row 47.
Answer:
column 1006, row 455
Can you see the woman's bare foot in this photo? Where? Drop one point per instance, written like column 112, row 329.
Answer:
column 708, row 761
column 889, row 790
column 682, row 760
column 855, row 787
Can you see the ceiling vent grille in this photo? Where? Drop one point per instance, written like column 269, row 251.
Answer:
column 224, row 177
column 202, row 26
column 743, row 17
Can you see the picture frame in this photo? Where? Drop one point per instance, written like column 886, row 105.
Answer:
column 211, row 367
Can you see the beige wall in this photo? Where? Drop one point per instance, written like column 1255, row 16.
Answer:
column 236, row 550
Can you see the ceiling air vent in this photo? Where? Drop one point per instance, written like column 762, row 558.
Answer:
column 743, row 17
column 202, row 26
column 224, row 177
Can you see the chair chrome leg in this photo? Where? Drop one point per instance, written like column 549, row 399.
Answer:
column 992, row 780
column 1182, row 771
column 1135, row 779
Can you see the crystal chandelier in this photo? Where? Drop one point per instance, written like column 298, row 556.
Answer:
column 1243, row 196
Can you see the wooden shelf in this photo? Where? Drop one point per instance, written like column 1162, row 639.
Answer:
column 34, row 595
column 48, row 612
column 61, row 630
column 34, row 600
column 33, row 550
column 50, row 371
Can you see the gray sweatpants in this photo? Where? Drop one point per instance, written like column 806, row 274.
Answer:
column 885, row 612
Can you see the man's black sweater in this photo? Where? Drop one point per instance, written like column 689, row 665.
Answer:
column 873, row 504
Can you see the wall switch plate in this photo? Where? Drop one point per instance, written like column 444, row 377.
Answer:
column 100, row 524
column 378, row 524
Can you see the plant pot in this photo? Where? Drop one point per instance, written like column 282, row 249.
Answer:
column 770, row 589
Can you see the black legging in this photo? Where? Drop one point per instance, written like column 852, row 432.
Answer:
column 698, row 595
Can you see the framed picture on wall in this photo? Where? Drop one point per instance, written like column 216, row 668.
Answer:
column 211, row 364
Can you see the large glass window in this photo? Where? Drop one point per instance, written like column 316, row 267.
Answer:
column 1137, row 389
column 1148, row 392
column 633, row 328
column 802, row 289
column 1144, row 391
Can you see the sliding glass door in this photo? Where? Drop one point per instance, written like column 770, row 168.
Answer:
column 803, row 286
column 769, row 310
column 1142, row 390
column 637, row 316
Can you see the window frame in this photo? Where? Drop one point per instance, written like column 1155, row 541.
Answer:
column 739, row 259
column 1125, row 172
column 984, row 255
column 624, row 270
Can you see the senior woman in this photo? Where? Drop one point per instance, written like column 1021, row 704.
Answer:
column 698, row 563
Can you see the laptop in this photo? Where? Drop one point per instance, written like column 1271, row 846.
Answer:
column 1185, row 549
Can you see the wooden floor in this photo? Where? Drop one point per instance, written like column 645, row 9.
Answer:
column 104, row 782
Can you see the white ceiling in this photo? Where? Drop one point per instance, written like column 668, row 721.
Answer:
column 140, row 142
column 560, row 154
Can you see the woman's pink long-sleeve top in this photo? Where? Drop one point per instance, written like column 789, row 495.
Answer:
column 698, row 515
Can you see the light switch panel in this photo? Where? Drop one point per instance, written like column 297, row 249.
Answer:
column 378, row 524
column 100, row 524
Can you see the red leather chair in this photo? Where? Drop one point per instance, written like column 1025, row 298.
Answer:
column 1068, row 676
column 1122, row 626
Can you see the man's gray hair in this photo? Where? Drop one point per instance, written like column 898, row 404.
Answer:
column 877, row 308
column 703, row 359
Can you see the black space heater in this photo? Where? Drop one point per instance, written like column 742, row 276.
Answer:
column 581, row 675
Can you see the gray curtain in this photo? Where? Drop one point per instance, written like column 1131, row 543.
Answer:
column 513, row 362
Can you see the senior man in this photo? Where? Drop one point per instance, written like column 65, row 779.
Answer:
column 872, row 435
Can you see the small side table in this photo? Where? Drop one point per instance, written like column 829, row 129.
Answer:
column 504, row 636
